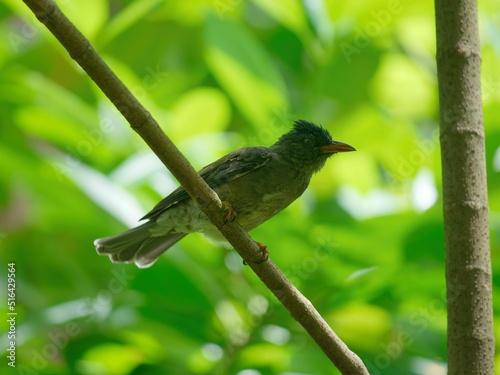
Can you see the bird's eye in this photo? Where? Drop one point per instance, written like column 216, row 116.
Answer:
column 308, row 142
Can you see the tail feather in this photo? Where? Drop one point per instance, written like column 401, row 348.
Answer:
column 136, row 245
column 153, row 247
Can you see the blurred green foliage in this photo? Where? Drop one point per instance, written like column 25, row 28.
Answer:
column 364, row 243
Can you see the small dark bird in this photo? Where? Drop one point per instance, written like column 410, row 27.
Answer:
column 257, row 182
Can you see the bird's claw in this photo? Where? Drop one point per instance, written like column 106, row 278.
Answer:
column 265, row 254
column 230, row 213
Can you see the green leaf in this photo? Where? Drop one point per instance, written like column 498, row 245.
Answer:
column 199, row 111
column 111, row 359
column 362, row 325
column 246, row 73
column 126, row 18
column 290, row 13
column 87, row 15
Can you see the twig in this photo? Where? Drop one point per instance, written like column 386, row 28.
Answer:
column 141, row 121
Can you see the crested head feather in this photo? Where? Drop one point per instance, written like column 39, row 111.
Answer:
column 307, row 127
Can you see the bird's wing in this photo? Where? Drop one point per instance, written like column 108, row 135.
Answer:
column 222, row 171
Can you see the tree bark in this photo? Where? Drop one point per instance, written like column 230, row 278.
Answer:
column 141, row 121
column 465, row 202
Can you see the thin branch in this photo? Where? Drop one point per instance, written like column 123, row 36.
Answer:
column 141, row 121
column 471, row 343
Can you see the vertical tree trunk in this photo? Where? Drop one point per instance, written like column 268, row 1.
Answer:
column 468, row 268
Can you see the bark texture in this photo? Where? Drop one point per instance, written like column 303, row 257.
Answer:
column 465, row 202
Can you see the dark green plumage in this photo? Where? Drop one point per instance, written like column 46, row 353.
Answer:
column 258, row 182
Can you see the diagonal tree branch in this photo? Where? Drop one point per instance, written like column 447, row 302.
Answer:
column 141, row 121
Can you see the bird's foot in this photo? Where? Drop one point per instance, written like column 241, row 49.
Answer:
column 230, row 213
column 265, row 254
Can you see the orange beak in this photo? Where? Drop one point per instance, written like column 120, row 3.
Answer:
column 336, row 147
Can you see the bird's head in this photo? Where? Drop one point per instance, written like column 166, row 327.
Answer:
column 309, row 145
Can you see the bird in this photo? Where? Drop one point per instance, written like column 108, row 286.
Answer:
column 254, row 182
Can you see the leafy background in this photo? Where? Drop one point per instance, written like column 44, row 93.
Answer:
column 364, row 243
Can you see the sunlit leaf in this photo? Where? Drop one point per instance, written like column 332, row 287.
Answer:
column 88, row 15
column 362, row 325
column 110, row 358
column 247, row 74
column 126, row 18
column 199, row 111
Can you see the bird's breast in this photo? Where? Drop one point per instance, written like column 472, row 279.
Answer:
column 259, row 195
